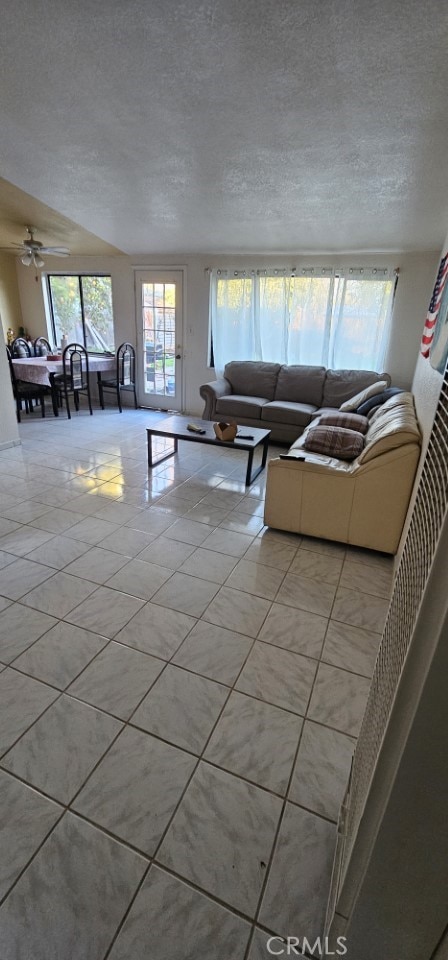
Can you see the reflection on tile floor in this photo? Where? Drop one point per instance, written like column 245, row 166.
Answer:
column 180, row 701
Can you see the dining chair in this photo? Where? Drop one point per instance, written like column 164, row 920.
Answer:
column 41, row 347
column 74, row 378
column 25, row 392
column 124, row 376
column 20, row 349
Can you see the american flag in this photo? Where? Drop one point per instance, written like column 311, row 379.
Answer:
column 434, row 306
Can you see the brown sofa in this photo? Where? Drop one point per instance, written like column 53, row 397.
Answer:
column 283, row 399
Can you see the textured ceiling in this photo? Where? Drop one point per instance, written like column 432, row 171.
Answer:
column 243, row 125
column 18, row 209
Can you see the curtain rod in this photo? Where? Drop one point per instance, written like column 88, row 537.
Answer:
column 305, row 271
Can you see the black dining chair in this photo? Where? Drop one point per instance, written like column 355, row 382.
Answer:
column 124, row 376
column 42, row 347
column 75, row 376
column 20, row 349
column 25, row 392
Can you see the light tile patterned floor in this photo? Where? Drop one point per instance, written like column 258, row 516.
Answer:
column 180, row 693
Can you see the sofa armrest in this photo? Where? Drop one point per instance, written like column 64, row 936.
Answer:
column 211, row 392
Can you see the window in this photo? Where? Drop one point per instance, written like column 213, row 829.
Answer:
column 81, row 310
column 332, row 321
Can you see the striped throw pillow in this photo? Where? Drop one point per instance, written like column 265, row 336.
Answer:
column 352, row 421
column 334, row 442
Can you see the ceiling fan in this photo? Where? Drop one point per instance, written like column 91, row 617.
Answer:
column 30, row 250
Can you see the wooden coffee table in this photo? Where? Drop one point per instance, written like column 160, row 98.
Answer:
column 175, row 428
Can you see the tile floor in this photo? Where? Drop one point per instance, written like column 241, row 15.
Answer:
column 180, row 694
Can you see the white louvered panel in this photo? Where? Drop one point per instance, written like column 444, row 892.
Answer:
column 417, row 556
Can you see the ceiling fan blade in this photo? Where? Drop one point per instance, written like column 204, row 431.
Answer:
column 55, row 251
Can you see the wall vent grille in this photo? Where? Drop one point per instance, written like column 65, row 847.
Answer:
column 412, row 575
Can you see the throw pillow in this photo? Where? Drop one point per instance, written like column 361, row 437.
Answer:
column 364, row 395
column 350, row 420
column 334, row 442
column 377, row 400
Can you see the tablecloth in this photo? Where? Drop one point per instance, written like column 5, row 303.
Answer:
column 38, row 369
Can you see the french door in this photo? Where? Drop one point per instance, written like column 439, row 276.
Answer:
column 159, row 328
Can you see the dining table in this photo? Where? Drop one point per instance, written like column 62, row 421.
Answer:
column 42, row 371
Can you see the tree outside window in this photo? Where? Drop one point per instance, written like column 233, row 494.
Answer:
column 81, row 310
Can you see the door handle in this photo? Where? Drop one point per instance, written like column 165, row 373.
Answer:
column 178, row 356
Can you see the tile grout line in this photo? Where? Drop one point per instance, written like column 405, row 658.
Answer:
column 279, row 825
column 36, row 851
column 126, row 913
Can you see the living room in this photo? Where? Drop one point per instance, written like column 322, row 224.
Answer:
column 415, row 281
column 160, row 651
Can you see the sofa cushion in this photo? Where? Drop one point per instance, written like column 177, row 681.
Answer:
column 352, row 421
column 238, row 406
column 252, row 378
column 334, row 442
column 390, row 439
column 362, row 396
column 340, row 385
column 301, row 384
column 378, row 399
column 403, row 401
column 373, row 410
column 393, row 425
column 324, row 411
column 285, row 412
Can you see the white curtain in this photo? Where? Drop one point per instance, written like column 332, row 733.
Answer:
column 328, row 321
column 361, row 324
column 233, row 320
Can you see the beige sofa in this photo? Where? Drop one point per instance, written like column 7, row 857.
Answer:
column 363, row 502
column 283, row 399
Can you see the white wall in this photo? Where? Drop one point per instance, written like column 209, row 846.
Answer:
column 10, row 312
column 427, row 382
column 10, row 317
column 413, row 292
column 426, row 385
column 9, row 431
column 416, row 281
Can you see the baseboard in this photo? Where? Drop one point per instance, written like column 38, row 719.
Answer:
column 10, row 443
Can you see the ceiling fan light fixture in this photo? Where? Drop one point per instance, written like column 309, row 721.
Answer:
column 31, row 250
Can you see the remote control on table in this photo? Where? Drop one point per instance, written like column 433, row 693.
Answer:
column 193, row 427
